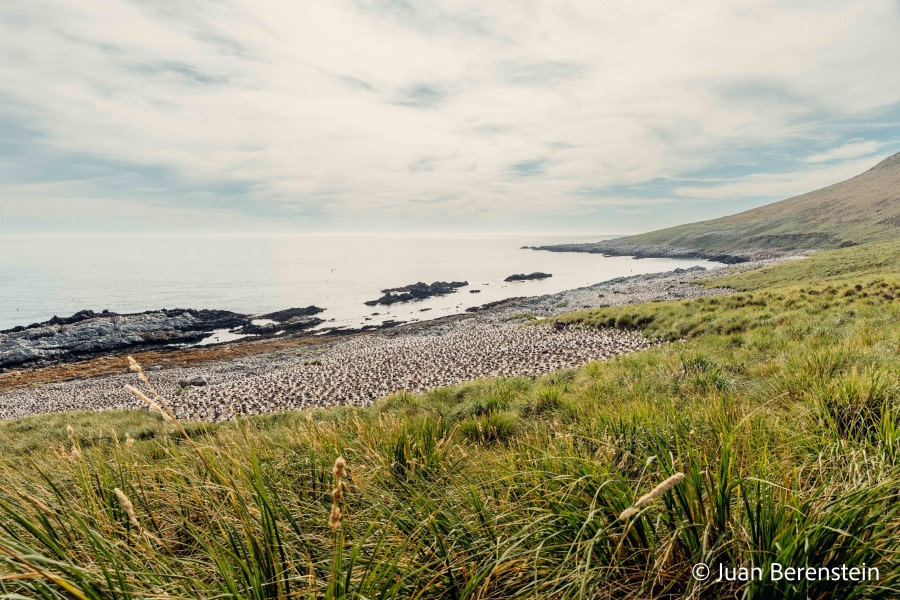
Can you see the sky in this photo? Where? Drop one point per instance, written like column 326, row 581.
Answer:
column 397, row 115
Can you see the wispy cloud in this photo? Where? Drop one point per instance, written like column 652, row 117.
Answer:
column 434, row 113
column 427, row 16
column 422, row 95
column 846, row 151
column 539, row 73
column 529, row 168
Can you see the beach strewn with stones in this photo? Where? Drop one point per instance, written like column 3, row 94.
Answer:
column 361, row 368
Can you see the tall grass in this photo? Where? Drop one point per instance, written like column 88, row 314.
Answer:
column 773, row 426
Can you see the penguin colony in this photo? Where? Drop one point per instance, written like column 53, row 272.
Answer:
column 355, row 371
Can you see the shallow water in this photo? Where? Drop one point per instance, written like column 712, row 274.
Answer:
column 60, row 275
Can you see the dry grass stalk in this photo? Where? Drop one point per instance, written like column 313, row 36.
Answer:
column 652, row 495
column 338, row 494
column 127, row 506
column 142, row 396
column 162, row 408
column 159, row 404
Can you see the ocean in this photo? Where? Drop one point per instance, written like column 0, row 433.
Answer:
column 43, row 276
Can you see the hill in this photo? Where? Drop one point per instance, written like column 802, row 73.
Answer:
column 862, row 209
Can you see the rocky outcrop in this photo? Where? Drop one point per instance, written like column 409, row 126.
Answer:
column 290, row 319
column 530, row 277
column 417, row 291
column 89, row 334
column 291, row 314
column 294, row 324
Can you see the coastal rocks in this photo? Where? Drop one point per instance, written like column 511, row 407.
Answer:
column 530, row 277
column 87, row 333
column 82, row 315
column 289, row 319
column 417, row 291
column 291, row 314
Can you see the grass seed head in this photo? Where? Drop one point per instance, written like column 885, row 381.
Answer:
column 127, row 506
column 628, row 513
column 136, row 367
column 335, row 520
column 337, row 495
column 659, row 490
column 151, row 403
column 652, row 495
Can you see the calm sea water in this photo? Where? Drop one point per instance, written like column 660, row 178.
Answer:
column 45, row 276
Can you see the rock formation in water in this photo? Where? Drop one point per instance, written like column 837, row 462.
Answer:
column 523, row 277
column 417, row 291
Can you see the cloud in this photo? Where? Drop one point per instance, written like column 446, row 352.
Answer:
column 182, row 71
column 427, row 17
column 439, row 113
column 355, row 82
column 529, row 168
column 541, row 73
column 774, row 186
column 422, row 95
column 846, row 151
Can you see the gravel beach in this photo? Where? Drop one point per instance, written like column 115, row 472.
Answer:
column 359, row 369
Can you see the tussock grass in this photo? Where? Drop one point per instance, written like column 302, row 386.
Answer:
column 767, row 435
column 820, row 267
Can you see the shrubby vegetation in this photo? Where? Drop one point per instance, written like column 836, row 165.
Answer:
column 778, row 404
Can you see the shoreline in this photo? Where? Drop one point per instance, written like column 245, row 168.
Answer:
column 641, row 252
column 468, row 341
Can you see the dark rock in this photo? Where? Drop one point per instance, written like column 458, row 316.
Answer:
column 292, row 324
column 474, row 291
column 523, row 277
column 292, row 313
column 417, row 291
column 196, row 381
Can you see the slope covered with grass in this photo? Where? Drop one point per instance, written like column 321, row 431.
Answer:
column 860, row 210
column 779, row 408
column 821, row 267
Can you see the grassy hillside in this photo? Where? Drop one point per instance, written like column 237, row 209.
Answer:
column 779, row 408
column 863, row 209
column 821, row 267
